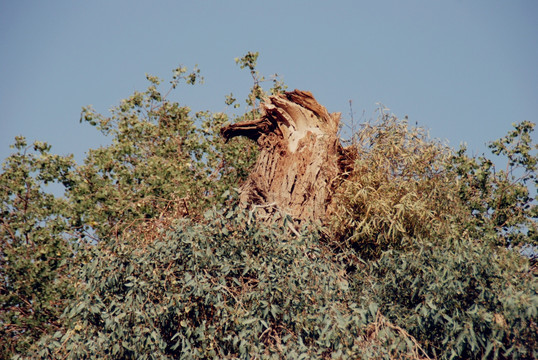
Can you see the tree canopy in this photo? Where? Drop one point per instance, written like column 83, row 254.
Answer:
column 152, row 252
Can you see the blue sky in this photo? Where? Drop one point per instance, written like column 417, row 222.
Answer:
column 465, row 70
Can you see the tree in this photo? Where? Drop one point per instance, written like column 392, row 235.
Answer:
column 412, row 255
column 162, row 160
column 228, row 288
column 35, row 250
column 299, row 155
column 500, row 201
column 163, row 163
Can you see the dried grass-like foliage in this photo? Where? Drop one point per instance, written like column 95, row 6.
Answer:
column 399, row 188
column 376, row 336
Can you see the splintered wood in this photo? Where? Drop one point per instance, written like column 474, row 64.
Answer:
column 299, row 155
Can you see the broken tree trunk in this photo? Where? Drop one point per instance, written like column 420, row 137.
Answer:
column 299, row 155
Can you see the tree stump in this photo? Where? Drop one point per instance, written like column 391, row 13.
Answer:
column 299, row 155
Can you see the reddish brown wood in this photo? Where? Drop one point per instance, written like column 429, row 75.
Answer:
column 299, row 155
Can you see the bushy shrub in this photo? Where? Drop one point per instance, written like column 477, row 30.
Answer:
column 231, row 288
column 398, row 189
column 436, row 225
column 463, row 300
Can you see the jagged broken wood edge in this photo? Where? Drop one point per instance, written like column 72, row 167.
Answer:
column 300, row 155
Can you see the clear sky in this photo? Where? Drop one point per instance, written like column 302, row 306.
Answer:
column 463, row 69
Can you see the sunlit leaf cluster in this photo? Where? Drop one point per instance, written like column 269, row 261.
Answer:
column 34, row 251
column 162, row 160
column 503, row 201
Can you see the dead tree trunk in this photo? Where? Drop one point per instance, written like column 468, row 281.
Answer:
column 299, row 155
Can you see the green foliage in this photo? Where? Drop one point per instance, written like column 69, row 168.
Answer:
column 257, row 92
column 501, row 203
column 33, row 245
column 162, row 160
column 417, row 263
column 162, row 163
column 463, row 300
column 439, row 224
column 235, row 288
column 230, row 288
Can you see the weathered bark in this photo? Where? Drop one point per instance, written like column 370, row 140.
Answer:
column 299, row 155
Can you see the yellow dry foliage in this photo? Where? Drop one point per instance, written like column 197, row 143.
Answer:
column 399, row 188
